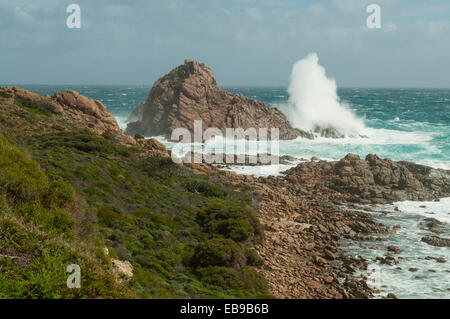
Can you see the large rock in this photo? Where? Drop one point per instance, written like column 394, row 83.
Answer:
column 375, row 179
column 436, row 241
column 78, row 110
column 190, row 92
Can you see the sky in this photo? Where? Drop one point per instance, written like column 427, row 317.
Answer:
column 245, row 42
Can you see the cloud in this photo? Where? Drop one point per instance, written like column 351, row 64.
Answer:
column 246, row 42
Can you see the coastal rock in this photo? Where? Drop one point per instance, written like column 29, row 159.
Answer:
column 153, row 148
column 432, row 224
column 44, row 101
column 376, row 180
column 394, row 249
column 436, row 241
column 136, row 114
column 79, row 111
column 190, row 92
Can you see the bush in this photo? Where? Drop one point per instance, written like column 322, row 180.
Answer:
column 162, row 167
column 32, row 106
column 205, row 188
column 59, row 194
column 20, row 178
column 113, row 219
column 62, row 221
column 4, row 95
column 233, row 220
column 219, row 276
column 85, row 141
column 217, row 252
column 237, row 229
column 253, row 258
column 245, row 279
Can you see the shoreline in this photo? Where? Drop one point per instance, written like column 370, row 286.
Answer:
column 305, row 224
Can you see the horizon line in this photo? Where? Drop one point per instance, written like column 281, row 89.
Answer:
column 227, row 86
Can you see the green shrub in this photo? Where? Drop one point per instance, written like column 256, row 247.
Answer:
column 62, row 221
column 59, row 194
column 244, row 280
column 32, row 106
column 4, row 95
column 205, row 188
column 20, row 178
column 217, row 252
column 138, row 136
column 253, row 258
column 237, row 229
column 233, row 220
column 85, row 141
column 223, row 277
column 113, row 219
column 162, row 167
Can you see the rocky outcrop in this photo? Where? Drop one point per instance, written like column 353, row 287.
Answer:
column 153, row 148
column 78, row 110
column 190, row 92
column 377, row 180
column 82, row 112
column 436, row 241
column 121, row 269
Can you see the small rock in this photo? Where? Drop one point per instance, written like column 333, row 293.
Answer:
column 394, row 249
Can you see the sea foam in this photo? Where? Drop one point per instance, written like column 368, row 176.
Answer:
column 314, row 102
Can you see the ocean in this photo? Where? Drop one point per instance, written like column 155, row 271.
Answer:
column 404, row 124
column 401, row 124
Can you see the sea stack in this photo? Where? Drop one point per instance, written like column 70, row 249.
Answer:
column 190, row 92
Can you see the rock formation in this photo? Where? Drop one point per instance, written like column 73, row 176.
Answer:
column 377, row 180
column 82, row 112
column 190, row 92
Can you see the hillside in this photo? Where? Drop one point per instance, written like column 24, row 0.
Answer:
column 71, row 184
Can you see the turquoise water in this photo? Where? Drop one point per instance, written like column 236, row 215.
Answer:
column 416, row 275
column 404, row 124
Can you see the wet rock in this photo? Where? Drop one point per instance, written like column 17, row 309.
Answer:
column 436, row 241
column 431, row 224
column 438, row 259
column 394, row 249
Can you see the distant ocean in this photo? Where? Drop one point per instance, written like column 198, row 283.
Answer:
column 402, row 124
column 405, row 124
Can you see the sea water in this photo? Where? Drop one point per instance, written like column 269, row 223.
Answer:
column 402, row 124
column 416, row 275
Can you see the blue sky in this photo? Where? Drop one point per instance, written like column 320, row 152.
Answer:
column 245, row 42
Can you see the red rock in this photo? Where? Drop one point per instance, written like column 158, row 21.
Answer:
column 190, row 92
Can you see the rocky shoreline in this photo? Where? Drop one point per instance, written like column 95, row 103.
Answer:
column 309, row 210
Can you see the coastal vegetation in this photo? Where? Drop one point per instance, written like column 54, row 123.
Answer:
column 66, row 193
